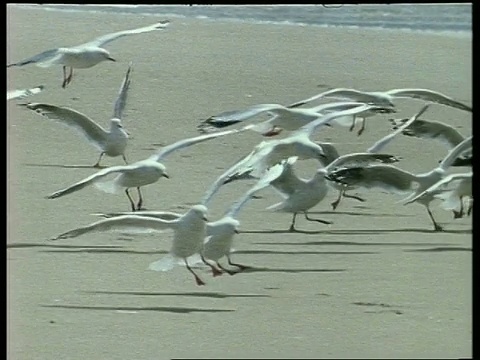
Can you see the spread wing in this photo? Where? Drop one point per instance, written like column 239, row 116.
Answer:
column 121, row 101
column 429, row 95
column 105, row 39
column 45, row 58
column 94, row 133
column 124, row 222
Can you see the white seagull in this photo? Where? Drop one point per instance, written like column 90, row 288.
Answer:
column 23, row 93
column 85, row 55
column 138, row 174
column 188, row 234
column 283, row 117
column 112, row 142
column 395, row 180
column 386, row 98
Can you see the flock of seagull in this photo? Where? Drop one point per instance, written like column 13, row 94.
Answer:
column 271, row 163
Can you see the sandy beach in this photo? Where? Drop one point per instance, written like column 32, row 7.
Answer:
column 377, row 283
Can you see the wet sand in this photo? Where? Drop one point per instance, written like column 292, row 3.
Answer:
column 378, row 283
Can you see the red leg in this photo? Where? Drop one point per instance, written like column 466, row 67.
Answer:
column 197, row 278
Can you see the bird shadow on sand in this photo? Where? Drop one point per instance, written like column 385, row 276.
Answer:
column 106, row 250
column 253, row 269
column 352, row 243
column 171, row 309
column 213, row 295
column 59, row 246
column 441, row 249
column 356, row 213
column 360, row 231
column 305, row 252
column 67, row 166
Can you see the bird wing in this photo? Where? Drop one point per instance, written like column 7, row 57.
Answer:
column 121, row 100
column 228, row 118
column 164, row 215
column 327, row 118
column 166, row 150
column 380, row 144
column 448, row 183
column 455, row 153
column 43, row 59
column 429, row 95
column 426, row 129
column 122, row 223
column 91, row 130
column 359, row 159
column 93, row 178
column 387, row 177
column 105, row 39
column 23, row 93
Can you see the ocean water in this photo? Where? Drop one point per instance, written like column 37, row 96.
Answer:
column 448, row 19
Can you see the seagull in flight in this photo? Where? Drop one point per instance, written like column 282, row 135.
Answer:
column 23, row 93
column 85, row 55
column 112, row 142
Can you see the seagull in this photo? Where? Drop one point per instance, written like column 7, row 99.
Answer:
column 271, row 152
column 386, row 98
column 23, row 93
column 138, row 174
column 85, row 55
column 451, row 190
column 188, row 234
column 112, row 142
column 396, row 180
column 282, row 117
column 437, row 130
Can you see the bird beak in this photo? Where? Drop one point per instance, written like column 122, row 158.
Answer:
column 166, row 176
column 205, row 218
column 236, row 231
column 111, row 59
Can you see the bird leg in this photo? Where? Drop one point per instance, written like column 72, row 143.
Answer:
column 228, row 271
column 140, row 200
column 362, row 127
column 459, row 214
column 275, row 130
column 436, row 226
column 215, row 271
column 97, row 164
column 470, row 206
column 353, row 123
column 336, row 202
column 70, row 76
column 240, row 266
column 124, row 159
column 197, row 278
column 130, row 198
column 292, row 226
column 317, row 220
column 64, row 83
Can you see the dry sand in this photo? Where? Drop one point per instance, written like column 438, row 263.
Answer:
column 378, row 283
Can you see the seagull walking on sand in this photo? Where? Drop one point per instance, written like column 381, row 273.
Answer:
column 85, row 55
column 396, row 180
column 138, row 174
column 188, row 235
column 112, row 142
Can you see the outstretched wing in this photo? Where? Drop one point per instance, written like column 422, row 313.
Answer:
column 122, row 95
column 166, row 150
column 228, row 118
column 455, row 153
column 21, row 94
column 164, row 215
column 94, row 133
column 429, row 95
column 105, row 39
column 43, row 59
column 124, row 222
column 380, row 144
column 93, row 178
